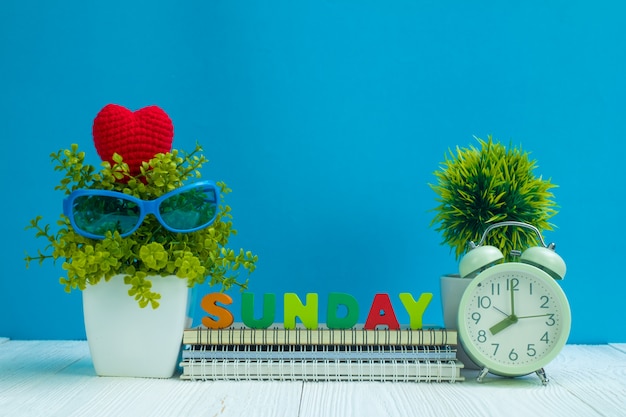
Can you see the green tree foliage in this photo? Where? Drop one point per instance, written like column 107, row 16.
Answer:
column 199, row 257
column 479, row 186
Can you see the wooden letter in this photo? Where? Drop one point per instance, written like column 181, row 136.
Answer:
column 247, row 310
column 335, row 300
column 294, row 308
column 209, row 304
column 381, row 314
column 415, row 308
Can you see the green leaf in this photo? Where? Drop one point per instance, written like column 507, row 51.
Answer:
column 199, row 257
column 476, row 186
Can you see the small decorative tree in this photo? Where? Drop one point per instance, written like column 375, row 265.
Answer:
column 198, row 256
column 479, row 186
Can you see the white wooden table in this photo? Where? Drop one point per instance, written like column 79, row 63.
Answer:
column 56, row 378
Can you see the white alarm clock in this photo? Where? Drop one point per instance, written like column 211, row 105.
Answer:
column 513, row 317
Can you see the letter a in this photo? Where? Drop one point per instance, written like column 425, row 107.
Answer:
column 381, row 314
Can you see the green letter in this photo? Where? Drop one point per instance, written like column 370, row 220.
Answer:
column 415, row 308
column 336, row 299
column 307, row 313
column 247, row 310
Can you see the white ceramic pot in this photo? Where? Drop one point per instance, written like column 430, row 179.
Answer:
column 126, row 340
column 452, row 289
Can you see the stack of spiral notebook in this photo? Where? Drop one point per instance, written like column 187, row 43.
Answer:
column 239, row 353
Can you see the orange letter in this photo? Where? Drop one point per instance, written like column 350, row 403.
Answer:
column 209, row 304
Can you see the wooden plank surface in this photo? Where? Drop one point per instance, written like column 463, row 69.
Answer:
column 596, row 375
column 619, row 346
column 494, row 397
column 56, row 378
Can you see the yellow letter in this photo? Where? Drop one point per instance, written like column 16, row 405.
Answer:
column 415, row 308
column 294, row 308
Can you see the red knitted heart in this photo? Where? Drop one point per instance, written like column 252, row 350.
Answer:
column 136, row 136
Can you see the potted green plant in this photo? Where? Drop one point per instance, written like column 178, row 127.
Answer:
column 478, row 186
column 135, row 238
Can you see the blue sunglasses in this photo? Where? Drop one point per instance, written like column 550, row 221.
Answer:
column 93, row 213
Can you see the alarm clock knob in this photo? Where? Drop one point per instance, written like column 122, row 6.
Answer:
column 546, row 259
column 479, row 258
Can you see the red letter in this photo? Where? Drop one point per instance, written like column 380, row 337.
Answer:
column 224, row 318
column 381, row 313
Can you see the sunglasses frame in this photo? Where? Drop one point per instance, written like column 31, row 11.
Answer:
column 145, row 207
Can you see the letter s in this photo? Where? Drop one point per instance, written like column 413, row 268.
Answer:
column 223, row 317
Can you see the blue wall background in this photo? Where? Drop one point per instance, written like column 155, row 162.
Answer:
column 327, row 119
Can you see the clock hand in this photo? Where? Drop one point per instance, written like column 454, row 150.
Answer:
column 512, row 298
column 503, row 324
column 531, row 317
column 500, row 311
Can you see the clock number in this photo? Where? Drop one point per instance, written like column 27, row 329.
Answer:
column 495, row 350
column 476, row 317
column 531, row 288
column 546, row 300
column 482, row 336
column 495, row 288
column 513, row 282
column 484, row 302
column 513, row 355
column 530, row 350
column 550, row 321
column 545, row 338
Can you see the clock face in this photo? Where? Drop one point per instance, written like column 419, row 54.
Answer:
column 513, row 319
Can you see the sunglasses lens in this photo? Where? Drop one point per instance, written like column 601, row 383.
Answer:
column 191, row 209
column 97, row 214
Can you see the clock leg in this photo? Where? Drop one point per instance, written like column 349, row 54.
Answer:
column 482, row 374
column 541, row 373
